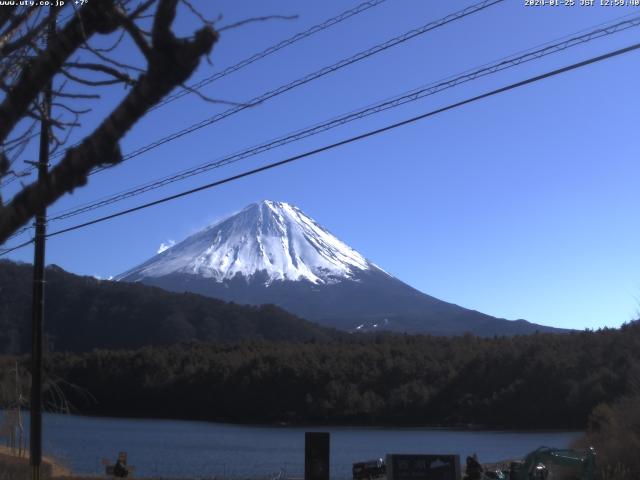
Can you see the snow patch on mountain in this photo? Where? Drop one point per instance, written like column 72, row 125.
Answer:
column 271, row 237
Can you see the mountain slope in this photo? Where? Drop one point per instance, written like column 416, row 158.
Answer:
column 271, row 238
column 83, row 313
column 271, row 252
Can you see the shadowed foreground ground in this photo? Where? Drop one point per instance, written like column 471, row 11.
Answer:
column 13, row 467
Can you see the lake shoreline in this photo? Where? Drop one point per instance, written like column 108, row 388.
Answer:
column 199, row 449
column 461, row 427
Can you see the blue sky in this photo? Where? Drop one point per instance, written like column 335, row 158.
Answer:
column 523, row 205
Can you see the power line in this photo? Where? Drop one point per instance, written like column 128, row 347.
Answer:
column 308, row 78
column 312, row 76
column 245, row 62
column 397, row 101
column 6, row 251
column 19, row 232
column 28, row 170
column 353, row 139
column 268, row 51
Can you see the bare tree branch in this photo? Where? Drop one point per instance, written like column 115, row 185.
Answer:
column 85, row 96
column 4, row 163
column 98, row 16
column 69, row 109
column 114, row 45
column 197, row 13
column 136, row 34
column 94, row 83
column 104, row 58
column 32, row 32
column 256, row 19
column 15, row 25
column 171, row 62
column 204, row 97
column 6, row 14
column 98, row 67
column 143, row 7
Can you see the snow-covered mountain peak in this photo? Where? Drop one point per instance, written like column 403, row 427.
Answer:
column 269, row 237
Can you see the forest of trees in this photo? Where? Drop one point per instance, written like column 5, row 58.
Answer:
column 83, row 313
column 135, row 350
column 534, row 381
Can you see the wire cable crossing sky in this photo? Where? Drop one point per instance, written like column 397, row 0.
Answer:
column 379, row 107
column 339, row 144
column 520, row 207
column 314, row 76
column 242, row 64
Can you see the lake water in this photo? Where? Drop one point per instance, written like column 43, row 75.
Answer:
column 170, row 448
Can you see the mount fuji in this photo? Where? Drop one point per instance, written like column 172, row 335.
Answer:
column 271, row 252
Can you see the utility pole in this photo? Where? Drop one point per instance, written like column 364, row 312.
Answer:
column 35, row 434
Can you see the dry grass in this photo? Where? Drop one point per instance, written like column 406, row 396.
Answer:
column 13, row 467
column 614, row 431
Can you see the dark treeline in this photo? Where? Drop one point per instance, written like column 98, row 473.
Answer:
column 534, row 381
column 83, row 313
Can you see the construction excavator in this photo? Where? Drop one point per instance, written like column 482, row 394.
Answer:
column 555, row 464
column 542, row 464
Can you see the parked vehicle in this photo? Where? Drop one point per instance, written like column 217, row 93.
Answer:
column 564, row 463
column 369, row 470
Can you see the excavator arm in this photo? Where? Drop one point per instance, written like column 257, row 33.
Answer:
column 543, row 460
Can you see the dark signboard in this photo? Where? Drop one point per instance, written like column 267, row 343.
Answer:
column 423, row 467
column 316, row 456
